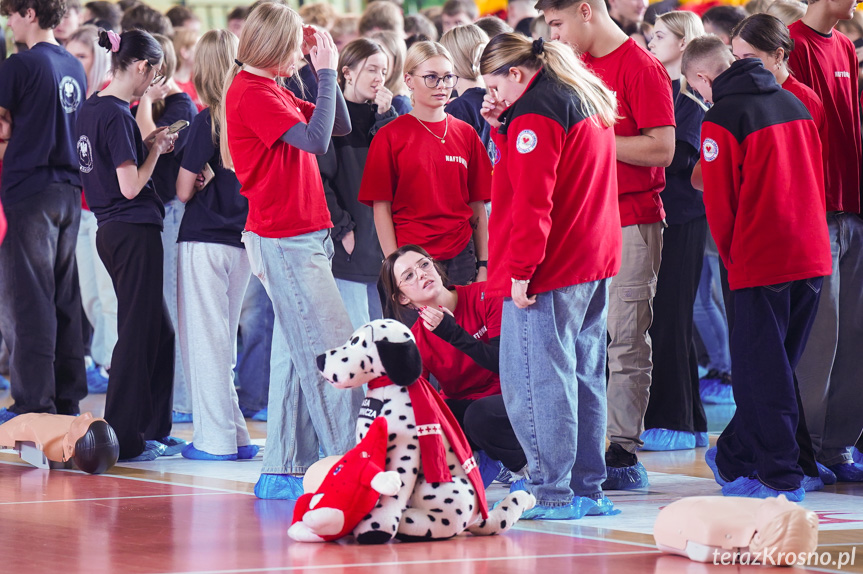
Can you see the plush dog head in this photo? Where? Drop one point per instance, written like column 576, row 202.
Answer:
column 382, row 347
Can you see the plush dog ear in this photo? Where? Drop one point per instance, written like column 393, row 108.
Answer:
column 401, row 361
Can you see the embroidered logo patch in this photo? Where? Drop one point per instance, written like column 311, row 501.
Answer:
column 371, row 408
column 526, row 141
column 710, row 149
column 70, row 94
column 85, row 154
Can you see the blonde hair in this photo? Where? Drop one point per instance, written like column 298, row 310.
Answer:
column 169, row 66
column 382, row 16
column 394, row 45
column 184, row 38
column 216, row 52
column 271, row 35
column 687, row 26
column 465, row 44
column 321, row 14
column 89, row 36
column 423, row 51
column 560, row 64
column 789, row 11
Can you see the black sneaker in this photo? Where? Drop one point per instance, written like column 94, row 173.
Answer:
column 618, row 457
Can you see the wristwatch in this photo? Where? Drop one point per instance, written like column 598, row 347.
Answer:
column 481, row 264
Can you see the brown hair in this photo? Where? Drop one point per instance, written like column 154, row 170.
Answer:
column 179, row 15
column 382, row 16
column 765, row 33
column 493, row 26
column 142, row 17
column 321, row 14
column 418, row 24
column 390, row 282
column 49, row 13
column 708, row 51
column 456, row 7
column 356, row 53
column 395, row 46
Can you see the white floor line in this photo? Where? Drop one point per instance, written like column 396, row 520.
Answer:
column 518, row 526
column 412, row 562
column 110, row 498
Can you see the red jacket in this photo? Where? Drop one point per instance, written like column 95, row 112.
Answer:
column 763, row 180
column 555, row 219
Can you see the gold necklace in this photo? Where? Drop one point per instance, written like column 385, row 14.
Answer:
column 445, row 129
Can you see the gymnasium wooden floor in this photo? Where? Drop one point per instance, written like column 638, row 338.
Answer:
column 180, row 516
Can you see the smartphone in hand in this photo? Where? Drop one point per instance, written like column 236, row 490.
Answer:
column 177, row 126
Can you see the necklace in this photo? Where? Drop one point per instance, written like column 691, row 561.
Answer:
column 445, row 129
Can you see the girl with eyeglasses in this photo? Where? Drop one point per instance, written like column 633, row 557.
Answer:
column 458, row 336
column 116, row 167
column 428, row 175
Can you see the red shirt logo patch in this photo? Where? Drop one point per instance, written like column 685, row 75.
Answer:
column 526, row 141
column 709, row 149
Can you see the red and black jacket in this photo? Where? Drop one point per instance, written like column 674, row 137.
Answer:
column 763, row 180
column 556, row 219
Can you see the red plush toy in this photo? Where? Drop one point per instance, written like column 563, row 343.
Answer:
column 349, row 492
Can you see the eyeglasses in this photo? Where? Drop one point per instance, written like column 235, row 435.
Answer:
column 409, row 277
column 157, row 78
column 432, row 80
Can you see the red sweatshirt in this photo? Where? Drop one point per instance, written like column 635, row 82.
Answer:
column 828, row 65
column 555, row 219
column 763, row 180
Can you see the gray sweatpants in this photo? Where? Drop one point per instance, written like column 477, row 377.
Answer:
column 212, row 281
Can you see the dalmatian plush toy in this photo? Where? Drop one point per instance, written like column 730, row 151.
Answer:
column 441, row 493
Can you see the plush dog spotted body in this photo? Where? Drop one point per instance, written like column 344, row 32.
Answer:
column 384, row 354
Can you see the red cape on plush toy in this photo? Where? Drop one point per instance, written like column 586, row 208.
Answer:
column 349, row 492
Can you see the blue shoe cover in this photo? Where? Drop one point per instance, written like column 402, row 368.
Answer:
column 247, row 451
column 715, row 392
column 710, row 459
column 261, row 415
column 4, row 383
column 173, row 445
column 6, row 415
column 812, row 483
column 626, row 477
column 604, row 507
column 153, row 449
column 827, row 475
column 97, row 380
column 753, row 488
column 702, row 439
column 193, row 453
column 520, row 484
column 279, row 487
column 181, row 418
column 848, row 472
column 856, row 456
column 579, row 507
column 488, row 468
column 702, row 371
column 664, row 439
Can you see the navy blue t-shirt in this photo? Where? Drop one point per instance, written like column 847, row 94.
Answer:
column 107, row 138
column 177, row 107
column 43, row 89
column 217, row 213
column 466, row 107
column 682, row 202
column 402, row 104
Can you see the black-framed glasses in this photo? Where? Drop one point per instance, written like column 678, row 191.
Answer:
column 409, row 277
column 433, row 80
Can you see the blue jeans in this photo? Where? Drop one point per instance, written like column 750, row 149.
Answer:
column 361, row 301
column 552, row 373
column 829, row 373
column 174, row 211
column 305, row 412
column 256, row 331
column 708, row 313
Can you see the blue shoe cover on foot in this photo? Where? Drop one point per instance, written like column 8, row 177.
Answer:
column 576, row 509
column 4, row 383
column 812, row 483
column 247, row 451
column 173, row 445
column 848, row 472
column 626, row 477
column 153, row 449
column 604, row 507
column 702, row 439
column 195, row 454
column 827, row 476
column 279, row 487
column 856, row 456
column 710, row 459
column 261, row 415
column 715, row 392
column 664, row 439
column 753, row 488
column 488, row 468
column 6, row 415
column 97, row 380
column 520, row 484
column 181, row 418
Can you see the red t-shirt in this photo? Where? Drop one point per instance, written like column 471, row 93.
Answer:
column 429, row 183
column 816, row 109
column 460, row 377
column 282, row 183
column 189, row 88
column 828, row 65
column 643, row 90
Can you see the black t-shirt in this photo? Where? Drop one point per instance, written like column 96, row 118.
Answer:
column 466, row 107
column 682, row 202
column 177, row 107
column 217, row 213
column 43, row 89
column 108, row 137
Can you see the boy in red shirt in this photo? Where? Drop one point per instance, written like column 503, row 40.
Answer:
column 764, row 201
column 829, row 371
column 644, row 137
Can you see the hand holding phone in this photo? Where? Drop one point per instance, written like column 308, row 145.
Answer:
column 177, row 126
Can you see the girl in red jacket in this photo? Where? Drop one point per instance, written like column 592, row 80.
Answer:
column 555, row 242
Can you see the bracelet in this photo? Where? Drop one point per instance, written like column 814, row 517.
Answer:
column 481, row 264
column 520, row 281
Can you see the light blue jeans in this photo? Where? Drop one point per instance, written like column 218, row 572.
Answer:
column 552, row 373
column 361, row 301
column 305, row 412
column 174, row 211
column 830, row 372
column 708, row 314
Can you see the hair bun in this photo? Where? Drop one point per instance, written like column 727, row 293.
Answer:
column 104, row 40
column 538, row 47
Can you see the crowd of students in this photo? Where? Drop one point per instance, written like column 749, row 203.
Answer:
column 591, row 215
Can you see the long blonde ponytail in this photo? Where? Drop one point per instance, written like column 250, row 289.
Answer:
column 510, row 50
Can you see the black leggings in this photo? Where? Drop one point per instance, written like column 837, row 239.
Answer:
column 487, row 427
